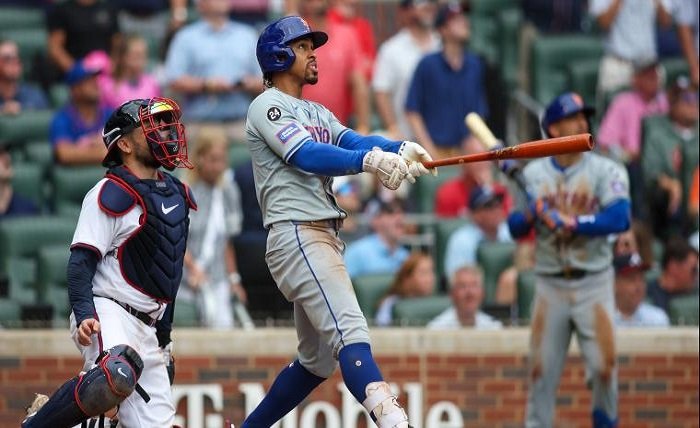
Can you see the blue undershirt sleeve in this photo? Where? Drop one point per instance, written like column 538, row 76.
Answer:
column 518, row 224
column 82, row 266
column 351, row 140
column 327, row 160
column 615, row 218
column 165, row 325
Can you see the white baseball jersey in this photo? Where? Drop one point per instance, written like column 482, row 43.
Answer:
column 277, row 125
column 99, row 231
column 582, row 189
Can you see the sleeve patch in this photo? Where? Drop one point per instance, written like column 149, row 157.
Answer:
column 114, row 199
column 286, row 133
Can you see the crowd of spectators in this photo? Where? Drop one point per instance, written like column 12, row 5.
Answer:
column 417, row 84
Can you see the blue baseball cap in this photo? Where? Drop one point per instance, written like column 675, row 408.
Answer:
column 79, row 73
column 565, row 105
column 483, row 197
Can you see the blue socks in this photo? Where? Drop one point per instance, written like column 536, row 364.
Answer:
column 290, row 387
column 602, row 420
column 358, row 368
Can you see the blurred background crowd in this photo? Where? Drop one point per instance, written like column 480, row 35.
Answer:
column 437, row 253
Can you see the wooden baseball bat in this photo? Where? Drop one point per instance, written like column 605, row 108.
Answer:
column 533, row 149
column 481, row 131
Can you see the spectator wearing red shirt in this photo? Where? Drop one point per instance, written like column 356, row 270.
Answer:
column 346, row 12
column 452, row 198
column 344, row 83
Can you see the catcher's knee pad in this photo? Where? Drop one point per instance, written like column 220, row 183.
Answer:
column 109, row 383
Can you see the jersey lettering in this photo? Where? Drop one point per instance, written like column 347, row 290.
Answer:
column 319, row 134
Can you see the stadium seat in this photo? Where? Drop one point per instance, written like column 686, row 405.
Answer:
column 9, row 313
column 59, row 94
column 26, row 126
column 21, row 239
column 14, row 18
column 420, row 310
column 70, row 184
column 39, row 152
column 583, row 78
column 425, row 189
column 526, row 294
column 675, row 67
column 551, row 55
column 238, row 154
column 186, row 314
column 52, row 261
column 509, row 22
column 443, row 230
column 684, row 310
column 494, row 258
column 369, row 290
column 27, row 181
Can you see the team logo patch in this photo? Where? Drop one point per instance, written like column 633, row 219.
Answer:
column 286, row 133
column 274, row 113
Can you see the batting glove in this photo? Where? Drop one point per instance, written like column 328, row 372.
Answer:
column 390, row 168
column 553, row 219
column 415, row 155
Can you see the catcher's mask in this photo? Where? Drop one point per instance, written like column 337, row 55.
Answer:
column 159, row 119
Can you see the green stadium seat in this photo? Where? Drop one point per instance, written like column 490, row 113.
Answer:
column 26, row 126
column 238, row 154
column 551, row 55
column 9, row 313
column 674, row 68
column 14, row 18
column 186, row 314
column 583, row 77
column 494, row 258
column 526, row 294
column 27, row 181
column 509, row 23
column 52, row 261
column 39, row 152
column 425, row 189
column 491, row 7
column 684, row 310
column 21, row 239
column 443, row 230
column 59, row 94
column 420, row 310
column 70, row 184
column 369, row 290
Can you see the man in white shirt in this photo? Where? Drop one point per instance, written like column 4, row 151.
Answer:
column 397, row 59
column 630, row 290
column 467, row 293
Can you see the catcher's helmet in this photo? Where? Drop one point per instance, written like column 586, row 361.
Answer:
column 273, row 51
column 564, row 105
column 159, row 119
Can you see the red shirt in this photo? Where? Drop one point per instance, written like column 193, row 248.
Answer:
column 336, row 61
column 365, row 35
column 452, row 199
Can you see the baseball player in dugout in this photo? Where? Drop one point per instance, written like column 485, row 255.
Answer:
column 297, row 147
column 576, row 202
column 123, row 275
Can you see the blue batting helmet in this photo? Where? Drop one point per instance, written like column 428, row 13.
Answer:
column 273, row 51
column 565, row 105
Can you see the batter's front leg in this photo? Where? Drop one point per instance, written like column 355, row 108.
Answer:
column 593, row 317
column 549, row 342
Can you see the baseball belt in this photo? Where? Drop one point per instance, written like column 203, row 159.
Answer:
column 142, row 316
column 331, row 223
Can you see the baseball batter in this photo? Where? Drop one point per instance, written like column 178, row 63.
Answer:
column 297, row 148
column 580, row 200
column 124, row 272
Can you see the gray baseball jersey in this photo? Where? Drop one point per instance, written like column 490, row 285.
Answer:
column 582, row 189
column 277, row 125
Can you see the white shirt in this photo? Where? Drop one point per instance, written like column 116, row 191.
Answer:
column 449, row 319
column 104, row 233
column 393, row 69
column 464, row 242
column 646, row 315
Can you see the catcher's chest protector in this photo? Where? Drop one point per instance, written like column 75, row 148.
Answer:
column 151, row 259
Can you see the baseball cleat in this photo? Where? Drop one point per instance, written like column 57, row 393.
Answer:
column 38, row 403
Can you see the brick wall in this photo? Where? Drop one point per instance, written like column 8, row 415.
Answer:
column 488, row 386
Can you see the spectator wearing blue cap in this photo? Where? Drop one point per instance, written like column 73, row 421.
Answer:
column 488, row 224
column 446, row 85
column 630, row 291
column 76, row 129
